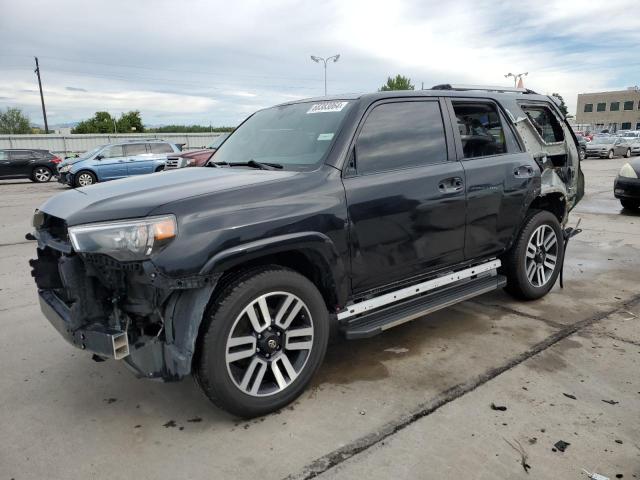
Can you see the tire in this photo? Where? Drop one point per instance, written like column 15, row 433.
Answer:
column 610, row 154
column 630, row 204
column 583, row 154
column 159, row 169
column 84, row 178
column 628, row 154
column 41, row 174
column 530, row 252
column 273, row 368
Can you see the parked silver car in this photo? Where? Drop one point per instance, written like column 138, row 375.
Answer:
column 608, row 147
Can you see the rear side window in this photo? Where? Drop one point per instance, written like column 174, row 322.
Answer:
column 22, row 155
column 481, row 130
column 545, row 122
column 401, row 135
column 135, row 149
column 161, row 148
column 112, row 152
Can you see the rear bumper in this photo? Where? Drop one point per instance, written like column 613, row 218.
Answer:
column 626, row 188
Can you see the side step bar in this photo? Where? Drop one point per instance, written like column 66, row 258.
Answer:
column 376, row 322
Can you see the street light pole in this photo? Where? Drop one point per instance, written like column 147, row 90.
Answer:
column 335, row 58
column 516, row 77
column 44, row 111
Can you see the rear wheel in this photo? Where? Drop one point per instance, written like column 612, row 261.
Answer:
column 266, row 335
column 630, row 204
column 41, row 175
column 84, row 178
column 533, row 263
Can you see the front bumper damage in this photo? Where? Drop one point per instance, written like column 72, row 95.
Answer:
column 128, row 311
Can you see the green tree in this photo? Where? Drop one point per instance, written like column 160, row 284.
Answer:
column 562, row 106
column 130, row 122
column 101, row 122
column 13, row 121
column 398, row 83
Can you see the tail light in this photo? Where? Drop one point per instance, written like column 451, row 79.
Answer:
column 56, row 160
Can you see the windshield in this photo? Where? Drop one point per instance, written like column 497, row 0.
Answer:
column 602, row 140
column 216, row 143
column 295, row 136
column 89, row 154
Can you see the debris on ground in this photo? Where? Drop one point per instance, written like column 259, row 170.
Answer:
column 110, row 400
column 561, row 445
column 611, row 402
column 499, row 408
column 619, row 441
column 568, row 395
column 170, row 424
column 595, row 476
column 523, row 454
column 533, row 441
column 194, row 420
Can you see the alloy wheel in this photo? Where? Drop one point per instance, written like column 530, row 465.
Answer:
column 269, row 344
column 541, row 256
column 42, row 174
column 85, row 179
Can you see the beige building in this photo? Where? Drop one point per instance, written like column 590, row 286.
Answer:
column 619, row 110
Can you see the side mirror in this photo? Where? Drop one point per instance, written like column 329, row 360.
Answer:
column 99, row 157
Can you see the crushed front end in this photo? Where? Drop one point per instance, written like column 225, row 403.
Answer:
column 118, row 309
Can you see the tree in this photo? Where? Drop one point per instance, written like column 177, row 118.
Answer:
column 398, row 83
column 130, row 122
column 562, row 106
column 101, row 122
column 13, row 121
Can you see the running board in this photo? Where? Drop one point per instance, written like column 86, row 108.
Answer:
column 376, row 322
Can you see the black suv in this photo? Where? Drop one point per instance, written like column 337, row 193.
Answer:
column 37, row 165
column 355, row 212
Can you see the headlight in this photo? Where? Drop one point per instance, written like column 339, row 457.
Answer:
column 125, row 240
column 628, row 171
column 64, row 168
column 188, row 162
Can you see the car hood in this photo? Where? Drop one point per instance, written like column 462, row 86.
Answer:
column 139, row 196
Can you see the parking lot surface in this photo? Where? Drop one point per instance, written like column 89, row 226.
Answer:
column 414, row 402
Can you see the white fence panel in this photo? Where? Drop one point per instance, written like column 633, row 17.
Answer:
column 77, row 143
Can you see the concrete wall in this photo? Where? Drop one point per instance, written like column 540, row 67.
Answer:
column 67, row 144
column 608, row 118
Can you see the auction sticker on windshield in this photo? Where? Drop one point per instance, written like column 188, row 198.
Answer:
column 327, row 107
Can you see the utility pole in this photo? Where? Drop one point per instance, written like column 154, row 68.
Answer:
column 335, row 58
column 44, row 111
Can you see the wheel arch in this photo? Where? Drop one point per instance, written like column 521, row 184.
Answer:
column 311, row 254
column 554, row 202
column 87, row 169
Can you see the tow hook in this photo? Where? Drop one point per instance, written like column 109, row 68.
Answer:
column 568, row 233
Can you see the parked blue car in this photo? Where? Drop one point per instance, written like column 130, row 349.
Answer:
column 115, row 160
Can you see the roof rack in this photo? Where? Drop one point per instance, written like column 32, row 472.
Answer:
column 485, row 88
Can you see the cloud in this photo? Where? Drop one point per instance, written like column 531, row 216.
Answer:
column 257, row 53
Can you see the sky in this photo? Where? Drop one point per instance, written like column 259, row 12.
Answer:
column 212, row 62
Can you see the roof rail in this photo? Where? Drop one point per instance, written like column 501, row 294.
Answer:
column 485, row 88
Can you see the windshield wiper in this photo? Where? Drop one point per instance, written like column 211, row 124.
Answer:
column 255, row 164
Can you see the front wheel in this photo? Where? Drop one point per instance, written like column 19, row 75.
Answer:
column 583, row 154
column 84, row 178
column 628, row 154
column 610, row 155
column 533, row 263
column 265, row 336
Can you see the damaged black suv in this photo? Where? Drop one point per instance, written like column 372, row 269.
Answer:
column 356, row 213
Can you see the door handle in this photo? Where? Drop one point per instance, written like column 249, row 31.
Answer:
column 132, row 159
column 120, row 161
column 451, row 185
column 523, row 171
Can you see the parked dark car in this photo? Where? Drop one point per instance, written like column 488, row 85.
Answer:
column 37, row 165
column 359, row 211
column 195, row 158
column 608, row 147
column 626, row 186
